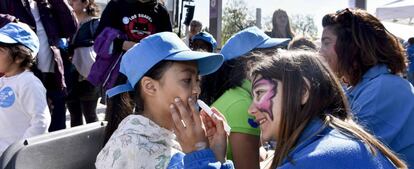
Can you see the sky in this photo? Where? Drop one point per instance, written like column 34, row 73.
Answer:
column 317, row 8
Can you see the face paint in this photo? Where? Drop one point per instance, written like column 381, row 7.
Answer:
column 263, row 93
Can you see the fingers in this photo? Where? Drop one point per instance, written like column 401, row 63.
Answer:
column 178, row 125
column 194, row 109
column 218, row 121
column 184, row 112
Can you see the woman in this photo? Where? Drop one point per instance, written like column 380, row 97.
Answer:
column 82, row 96
column 300, row 104
column 370, row 60
column 167, row 72
column 281, row 25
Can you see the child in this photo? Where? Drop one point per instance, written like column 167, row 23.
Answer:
column 300, row 104
column 203, row 41
column 228, row 90
column 158, row 71
column 23, row 107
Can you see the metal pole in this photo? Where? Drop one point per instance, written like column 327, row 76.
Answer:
column 181, row 17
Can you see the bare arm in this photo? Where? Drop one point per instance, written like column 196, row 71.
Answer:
column 245, row 149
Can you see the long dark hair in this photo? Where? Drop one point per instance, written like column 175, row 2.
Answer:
column 230, row 75
column 125, row 104
column 276, row 32
column 363, row 42
column 302, row 72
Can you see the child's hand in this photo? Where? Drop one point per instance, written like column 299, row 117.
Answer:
column 217, row 136
column 188, row 127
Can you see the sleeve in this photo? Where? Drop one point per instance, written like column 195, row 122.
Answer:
column 34, row 100
column 205, row 159
column 64, row 12
column 165, row 22
column 107, row 18
column 237, row 116
column 376, row 106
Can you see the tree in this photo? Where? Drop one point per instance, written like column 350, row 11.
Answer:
column 235, row 19
column 304, row 25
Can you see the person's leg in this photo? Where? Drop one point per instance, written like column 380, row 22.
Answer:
column 89, row 110
column 57, row 108
column 75, row 110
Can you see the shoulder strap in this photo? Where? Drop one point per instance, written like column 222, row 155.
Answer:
column 93, row 26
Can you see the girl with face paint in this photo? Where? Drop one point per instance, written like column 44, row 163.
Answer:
column 299, row 103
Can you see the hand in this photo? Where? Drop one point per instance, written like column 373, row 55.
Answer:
column 217, row 136
column 188, row 127
column 128, row 45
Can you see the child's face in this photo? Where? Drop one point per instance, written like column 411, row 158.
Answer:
column 199, row 45
column 267, row 106
column 180, row 80
column 6, row 62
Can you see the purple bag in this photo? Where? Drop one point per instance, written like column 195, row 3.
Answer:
column 105, row 70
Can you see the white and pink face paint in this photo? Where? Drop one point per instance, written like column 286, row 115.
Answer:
column 264, row 91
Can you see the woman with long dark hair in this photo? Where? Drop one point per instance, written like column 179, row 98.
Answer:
column 370, row 60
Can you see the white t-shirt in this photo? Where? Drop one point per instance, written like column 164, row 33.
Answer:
column 83, row 59
column 23, row 108
column 45, row 61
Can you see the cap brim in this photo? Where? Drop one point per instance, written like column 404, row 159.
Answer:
column 7, row 39
column 271, row 42
column 207, row 62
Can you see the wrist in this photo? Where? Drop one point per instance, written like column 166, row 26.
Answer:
column 196, row 147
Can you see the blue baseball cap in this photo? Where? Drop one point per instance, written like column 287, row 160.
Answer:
column 20, row 33
column 206, row 37
column 247, row 40
column 155, row 48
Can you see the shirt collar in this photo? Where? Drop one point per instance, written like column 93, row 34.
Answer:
column 372, row 73
column 376, row 71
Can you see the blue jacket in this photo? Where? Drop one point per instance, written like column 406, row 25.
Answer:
column 410, row 55
column 384, row 104
column 318, row 147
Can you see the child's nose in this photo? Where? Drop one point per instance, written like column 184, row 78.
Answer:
column 252, row 109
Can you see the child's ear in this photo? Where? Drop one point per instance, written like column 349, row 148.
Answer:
column 306, row 89
column 148, row 86
column 18, row 60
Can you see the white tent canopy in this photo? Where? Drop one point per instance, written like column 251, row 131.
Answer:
column 398, row 9
column 399, row 30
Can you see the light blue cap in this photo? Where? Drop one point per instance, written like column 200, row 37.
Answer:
column 248, row 39
column 206, row 37
column 20, row 33
column 155, row 48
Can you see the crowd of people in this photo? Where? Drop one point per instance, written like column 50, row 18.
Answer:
column 289, row 102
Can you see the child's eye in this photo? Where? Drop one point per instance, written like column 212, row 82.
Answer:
column 258, row 93
column 187, row 80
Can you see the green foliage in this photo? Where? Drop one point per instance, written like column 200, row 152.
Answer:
column 235, row 19
column 304, row 25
